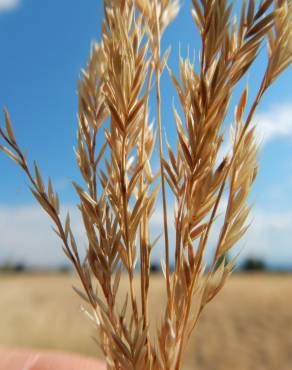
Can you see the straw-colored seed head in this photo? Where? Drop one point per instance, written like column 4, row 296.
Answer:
column 114, row 152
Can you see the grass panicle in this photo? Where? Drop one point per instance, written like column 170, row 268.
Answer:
column 119, row 192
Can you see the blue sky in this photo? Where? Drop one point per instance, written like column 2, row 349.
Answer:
column 44, row 44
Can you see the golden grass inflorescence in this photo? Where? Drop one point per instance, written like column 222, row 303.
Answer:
column 120, row 191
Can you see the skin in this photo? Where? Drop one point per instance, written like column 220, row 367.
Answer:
column 15, row 359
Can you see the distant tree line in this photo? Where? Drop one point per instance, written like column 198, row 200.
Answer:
column 250, row 264
column 254, row 264
column 19, row 267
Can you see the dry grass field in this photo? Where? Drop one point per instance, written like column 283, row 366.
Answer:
column 248, row 326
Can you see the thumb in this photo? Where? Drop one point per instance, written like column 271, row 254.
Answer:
column 15, row 359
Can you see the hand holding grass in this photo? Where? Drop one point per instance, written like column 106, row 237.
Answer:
column 13, row 359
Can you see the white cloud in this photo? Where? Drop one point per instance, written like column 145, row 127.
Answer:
column 274, row 123
column 269, row 236
column 27, row 236
column 8, row 4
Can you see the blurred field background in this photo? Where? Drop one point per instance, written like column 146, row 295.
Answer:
column 248, row 327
